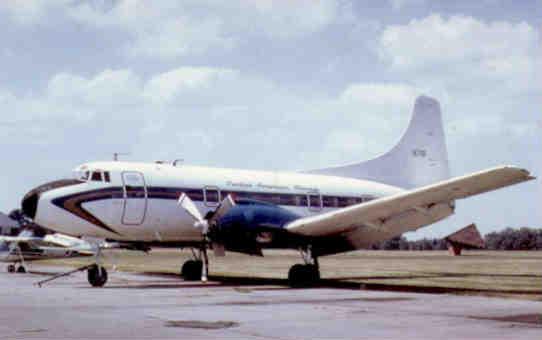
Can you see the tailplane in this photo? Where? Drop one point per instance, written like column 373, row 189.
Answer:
column 420, row 158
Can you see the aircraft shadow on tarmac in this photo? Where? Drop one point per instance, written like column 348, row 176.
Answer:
column 337, row 283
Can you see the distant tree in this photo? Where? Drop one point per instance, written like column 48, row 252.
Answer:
column 506, row 239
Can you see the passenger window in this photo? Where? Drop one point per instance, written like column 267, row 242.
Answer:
column 211, row 196
column 315, row 201
column 96, row 176
column 106, row 177
column 330, row 201
column 343, row 202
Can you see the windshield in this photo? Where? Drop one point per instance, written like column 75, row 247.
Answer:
column 82, row 175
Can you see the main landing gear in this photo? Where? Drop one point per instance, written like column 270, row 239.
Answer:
column 96, row 275
column 19, row 266
column 305, row 275
column 16, row 269
column 198, row 268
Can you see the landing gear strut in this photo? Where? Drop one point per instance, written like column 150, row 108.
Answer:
column 305, row 275
column 11, row 268
column 198, row 269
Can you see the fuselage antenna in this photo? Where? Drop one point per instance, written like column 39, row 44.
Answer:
column 117, row 154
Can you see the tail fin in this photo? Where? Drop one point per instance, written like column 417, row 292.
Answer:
column 420, row 157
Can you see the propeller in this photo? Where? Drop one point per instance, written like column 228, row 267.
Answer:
column 205, row 224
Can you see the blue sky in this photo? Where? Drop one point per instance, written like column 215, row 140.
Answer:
column 262, row 84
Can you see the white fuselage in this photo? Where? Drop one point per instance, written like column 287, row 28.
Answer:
column 139, row 200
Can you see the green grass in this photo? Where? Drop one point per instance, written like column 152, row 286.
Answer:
column 517, row 274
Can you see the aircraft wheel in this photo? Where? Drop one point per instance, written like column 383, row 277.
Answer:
column 303, row 275
column 21, row 269
column 191, row 270
column 11, row 268
column 97, row 276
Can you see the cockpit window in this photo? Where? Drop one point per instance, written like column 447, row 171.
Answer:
column 96, row 176
column 106, row 177
column 82, row 175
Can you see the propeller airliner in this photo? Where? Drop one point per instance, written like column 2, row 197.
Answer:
column 318, row 212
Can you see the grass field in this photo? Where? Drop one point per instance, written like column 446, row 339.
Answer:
column 515, row 274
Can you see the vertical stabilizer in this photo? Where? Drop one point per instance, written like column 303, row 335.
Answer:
column 420, row 157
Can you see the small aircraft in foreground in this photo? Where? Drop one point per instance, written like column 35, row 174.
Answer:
column 318, row 212
column 30, row 246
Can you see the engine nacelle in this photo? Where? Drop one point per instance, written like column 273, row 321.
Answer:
column 250, row 224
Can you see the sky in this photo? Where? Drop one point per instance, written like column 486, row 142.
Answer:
column 275, row 85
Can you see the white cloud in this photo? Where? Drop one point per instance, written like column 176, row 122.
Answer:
column 169, row 29
column 108, row 88
column 463, row 48
column 28, row 12
column 285, row 19
column 165, row 86
column 398, row 5
column 395, row 95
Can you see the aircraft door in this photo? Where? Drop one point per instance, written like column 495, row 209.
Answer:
column 135, row 198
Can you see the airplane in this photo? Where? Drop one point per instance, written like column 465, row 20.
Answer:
column 319, row 212
column 32, row 245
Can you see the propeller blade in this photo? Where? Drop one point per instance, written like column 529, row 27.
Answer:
column 225, row 206
column 188, row 205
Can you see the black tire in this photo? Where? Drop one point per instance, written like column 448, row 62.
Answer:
column 314, row 273
column 97, row 276
column 301, row 276
column 21, row 270
column 191, row 270
column 11, row 268
column 297, row 276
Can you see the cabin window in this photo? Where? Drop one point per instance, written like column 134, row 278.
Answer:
column 344, row 202
column 330, row 201
column 302, row 200
column 195, row 195
column 96, row 176
column 287, row 199
column 211, row 196
column 315, row 201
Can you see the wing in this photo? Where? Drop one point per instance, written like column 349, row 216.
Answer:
column 19, row 239
column 377, row 220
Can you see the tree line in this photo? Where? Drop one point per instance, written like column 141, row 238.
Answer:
column 507, row 239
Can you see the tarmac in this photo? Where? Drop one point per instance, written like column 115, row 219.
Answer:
column 145, row 306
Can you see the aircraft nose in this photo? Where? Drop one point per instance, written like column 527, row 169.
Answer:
column 29, row 204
